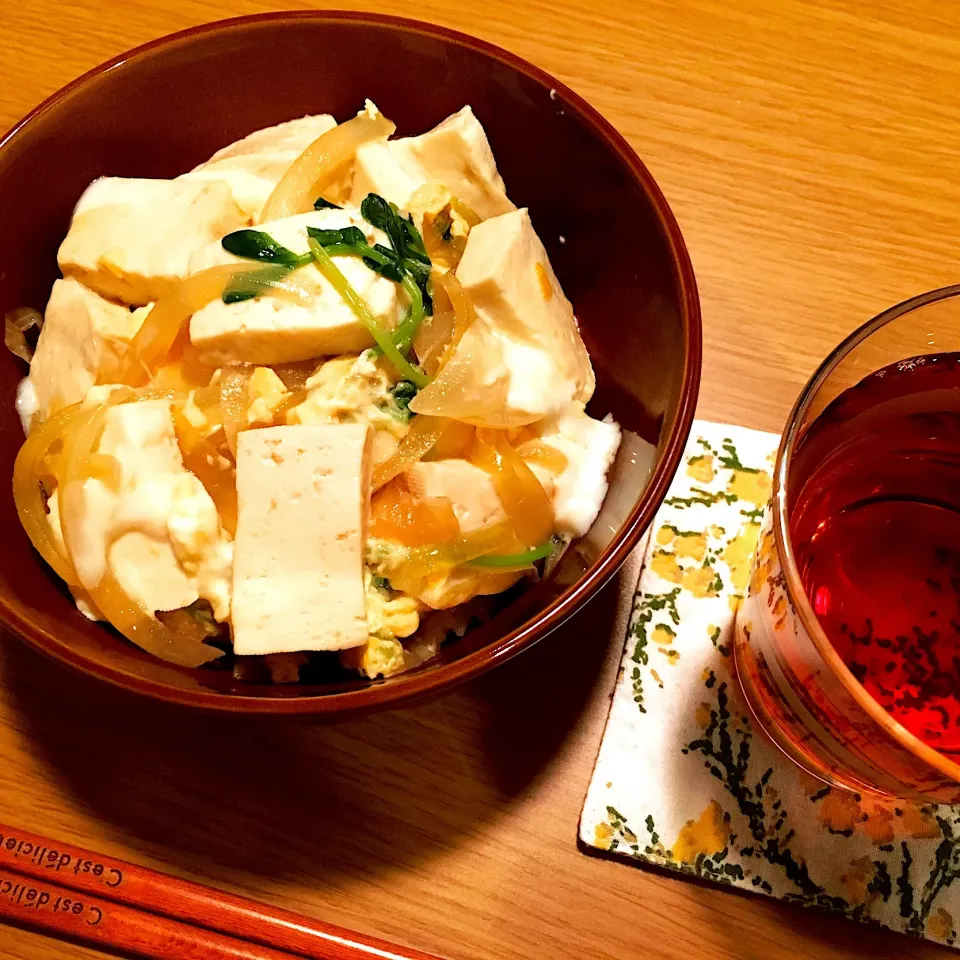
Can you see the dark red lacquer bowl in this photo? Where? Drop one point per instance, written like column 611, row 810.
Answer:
column 161, row 109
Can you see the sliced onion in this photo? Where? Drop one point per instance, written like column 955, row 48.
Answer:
column 15, row 325
column 155, row 338
column 455, row 443
column 458, row 390
column 294, row 400
column 462, row 307
column 234, row 400
column 395, row 514
column 184, row 648
column 170, row 377
column 324, row 159
column 30, row 466
column 536, row 451
column 520, row 493
column 202, row 458
column 418, row 563
column 431, row 339
column 423, row 434
column 74, row 465
column 296, row 374
column 194, row 370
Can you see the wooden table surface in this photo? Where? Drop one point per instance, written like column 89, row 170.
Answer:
column 810, row 152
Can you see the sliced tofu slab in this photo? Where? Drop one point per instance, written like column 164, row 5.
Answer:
column 269, row 330
column 132, row 240
column 253, row 166
column 523, row 358
column 159, row 531
column 298, row 571
column 455, row 153
column 80, row 329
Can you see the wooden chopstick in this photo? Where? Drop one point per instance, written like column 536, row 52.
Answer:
column 56, row 909
column 141, row 910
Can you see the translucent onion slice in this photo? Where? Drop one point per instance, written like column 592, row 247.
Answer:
column 15, row 326
column 396, row 515
column 462, row 307
column 156, row 337
column 33, row 462
column 234, row 400
column 418, row 563
column 521, row 495
column 184, row 648
column 431, row 339
column 202, row 458
column 473, row 386
column 190, row 434
column 423, row 434
column 193, row 369
column 295, row 375
column 135, row 623
column 324, row 159
column 171, row 377
column 536, row 451
column 458, row 390
column 455, row 442
column 77, row 464
column 294, row 400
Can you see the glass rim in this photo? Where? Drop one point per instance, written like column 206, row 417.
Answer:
column 784, row 545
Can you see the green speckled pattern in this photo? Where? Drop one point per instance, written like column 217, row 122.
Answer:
column 682, row 780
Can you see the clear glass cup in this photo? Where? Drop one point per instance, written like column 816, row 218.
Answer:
column 800, row 690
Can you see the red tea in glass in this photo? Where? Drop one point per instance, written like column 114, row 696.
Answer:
column 875, row 523
column 847, row 644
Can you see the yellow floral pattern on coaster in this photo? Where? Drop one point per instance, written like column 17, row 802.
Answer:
column 683, row 781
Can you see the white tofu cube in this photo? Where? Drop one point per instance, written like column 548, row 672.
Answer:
column 590, row 447
column 455, row 153
column 132, row 240
column 303, row 497
column 269, row 330
column 523, row 358
column 80, row 329
column 469, row 489
column 377, row 170
column 253, row 166
column 159, row 532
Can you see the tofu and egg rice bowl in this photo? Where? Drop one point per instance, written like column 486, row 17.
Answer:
column 309, row 400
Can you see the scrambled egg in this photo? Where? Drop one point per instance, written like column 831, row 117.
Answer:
column 348, row 390
column 389, row 619
column 440, row 590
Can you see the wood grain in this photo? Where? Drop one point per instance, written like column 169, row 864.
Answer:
column 41, row 877
column 59, row 911
column 809, row 151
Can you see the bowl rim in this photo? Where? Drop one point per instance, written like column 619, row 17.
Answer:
column 418, row 685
